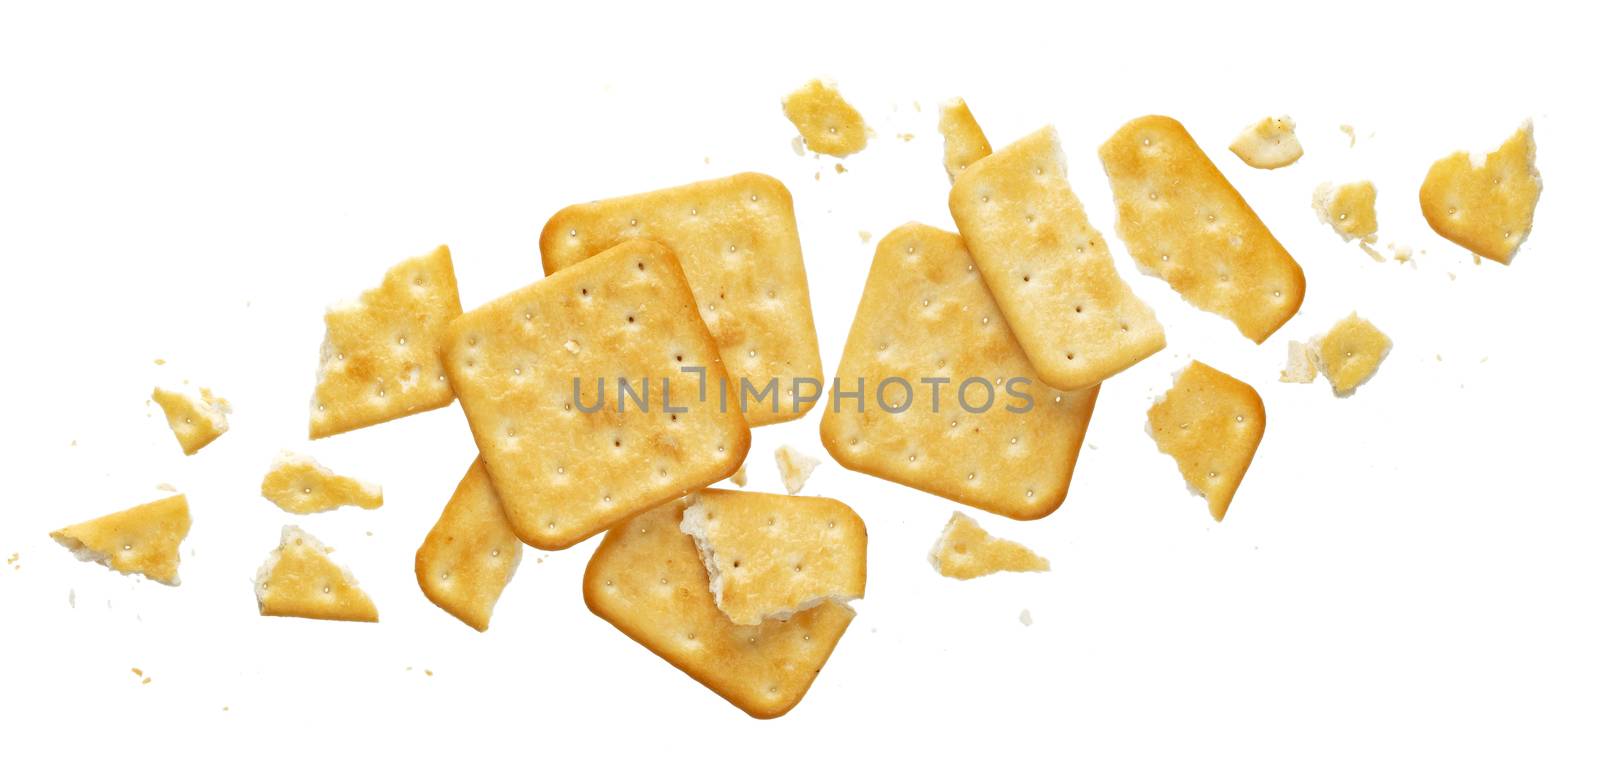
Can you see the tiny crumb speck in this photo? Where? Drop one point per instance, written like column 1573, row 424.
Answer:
column 137, row 673
column 161, row 362
column 1349, row 131
column 866, row 236
column 904, row 136
column 428, row 673
column 166, row 487
column 72, row 598
column 708, row 161
column 1026, row 617
column 145, row 682
column 1093, row 446
column 839, row 168
column 798, row 146
column 916, row 104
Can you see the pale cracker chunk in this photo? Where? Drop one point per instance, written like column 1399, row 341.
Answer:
column 298, row 580
column 964, row 142
column 1269, row 143
column 141, row 540
column 827, row 123
column 647, row 580
column 965, row 551
column 568, row 468
column 926, row 313
column 1210, row 423
column 471, row 553
column 380, row 357
column 1350, row 209
column 1350, row 352
column 1301, row 364
column 1050, row 272
column 1485, row 203
column 737, row 242
column 196, row 422
column 739, row 478
column 1184, row 223
column 794, row 467
column 300, row 485
column 771, row 556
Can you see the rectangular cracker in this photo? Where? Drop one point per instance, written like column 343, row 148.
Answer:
column 926, row 316
column 647, row 580
column 738, row 244
column 1210, row 423
column 964, row 141
column 471, row 553
column 1049, row 270
column 1183, row 222
column 770, row 556
column 564, row 473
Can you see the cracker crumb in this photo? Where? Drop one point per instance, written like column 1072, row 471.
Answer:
column 1401, row 252
column 798, row 145
column 839, row 168
column 428, row 673
column 138, row 673
column 146, row 681
column 740, row 478
column 168, row 487
column 1025, row 617
column 161, row 361
column 866, row 236
column 794, row 467
column 72, row 598
column 1301, row 364
column 904, row 136
column 1349, row 131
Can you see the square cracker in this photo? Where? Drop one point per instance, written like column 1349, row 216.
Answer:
column 564, row 473
column 1184, row 223
column 380, row 358
column 1049, row 270
column 140, row 540
column 1210, row 423
column 771, row 556
column 1485, row 203
column 471, row 553
column 738, row 244
column 926, row 313
column 647, row 580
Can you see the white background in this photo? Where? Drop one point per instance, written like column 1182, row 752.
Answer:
column 1406, row 584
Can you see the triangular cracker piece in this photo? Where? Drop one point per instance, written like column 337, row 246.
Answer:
column 1269, row 143
column 380, row 358
column 196, row 422
column 771, row 556
column 647, row 580
column 794, row 467
column 298, row 580
column 300, row 485
column 1350, row 352
column 1210, row 423
column 141, row 540
column 1485, row 203
column 965, row 551
column 471, row 553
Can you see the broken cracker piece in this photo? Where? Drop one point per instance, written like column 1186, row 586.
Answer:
column 739, row 478
column 196, row 422
column 964, row 142
column 1485, row 202
column 965, row 551
column 770, row 556
column 1301, row 365
column 298, row 580
column 1269, row 143
column 471, row 553
column 1349, row 208
column 794, row 467
column 141, row 540
column 298, row 484
column 826, row 122
column 1350, row 352
column 1210, row 423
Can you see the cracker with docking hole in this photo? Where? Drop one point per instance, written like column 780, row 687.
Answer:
column 965, row 551
column 1050, row 272
column 140, row 540
column 737, row 242
column 298, row 580
column 471, row 553
column 1183, row 222
column 566, row 468
column 380, row 357
column 647, row 580
column 195, row 421
column 964, row 142
column 300, row 485
column 1210, row 424
column 826, row 121
column 926, row 313
column 1268, row 144
column 1349, row 353
column 1300, row 365
column 1350, row 209
column 794, row 467
column 1485, row 202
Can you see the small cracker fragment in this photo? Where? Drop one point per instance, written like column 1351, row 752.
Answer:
column 739, row 478
column 298, row 580
column 380, row 357
column 770, row 556
column 1050, row 272
column 1301, row 365
column 1485, row 203
column 794, row 467
column 739, row 246
column 1269, row 143
column 140, row 540
column 300, row 485
column 566, row 468
column 964, row 142
column 926, row 313
column 1349, row 131
column 826, row 122
column 647, row 580
column 1350, row 352
column 196, row 422
column 1183, row 222
column 471, row 553
column 965, row 551
column 1350, row 209
column 1210, row 423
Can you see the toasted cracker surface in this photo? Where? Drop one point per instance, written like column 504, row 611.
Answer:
column 826, row 121
column 298, row 580
column 471, row 553
column 965, row 551
column 298, row 484
column 1210, row 423
column 195, row 421
column 140, row 540
column 1485, row 205
column 964, row 141
column 1350, row 352
column 1350, row 209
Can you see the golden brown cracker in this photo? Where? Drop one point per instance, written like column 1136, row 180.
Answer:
column 965, row 551
column 140, row 540
column 1485, row 205
column 1350, row 352
column 471, row 553
column 298, row 580
column 1269, row 143
column 1350, row 209
column 826, row 121
column 964, row 142
column 1210, row 423
column 195, row 421
column 300, row 485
